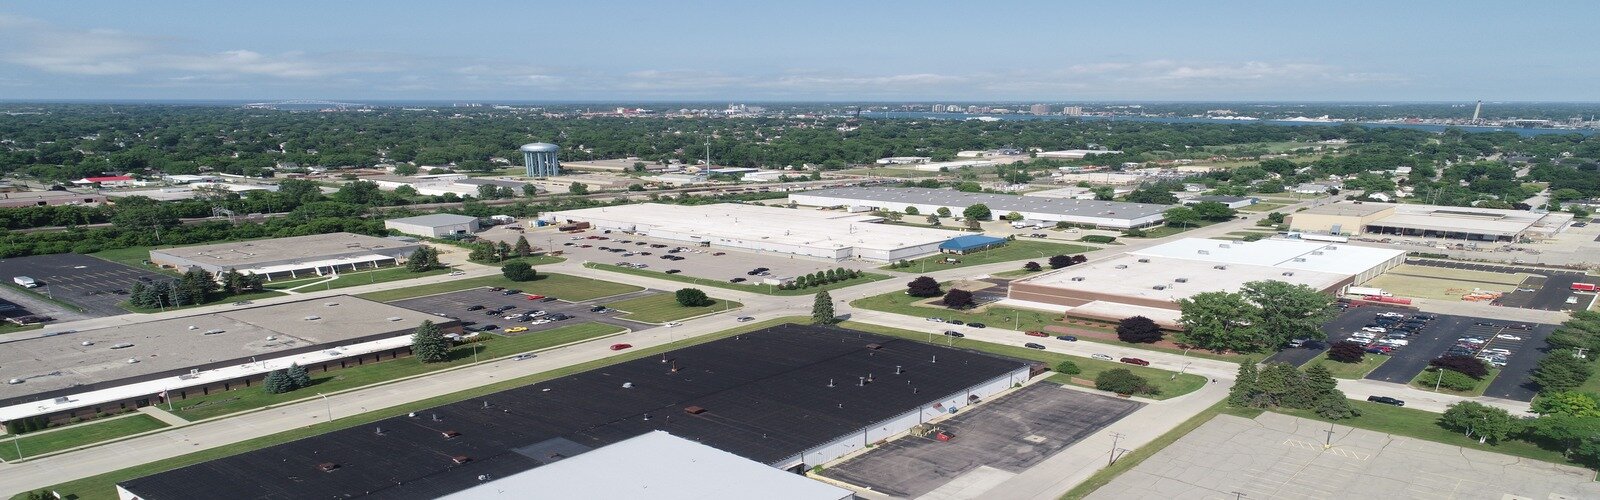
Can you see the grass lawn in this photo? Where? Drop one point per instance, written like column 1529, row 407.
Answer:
column 1020, row 273
column 1163, row 231
column 223, row 403
column 1016, row 250
column 744, row 287
column 1137, row 456
column 1431, row 288
column 134, row 257
column 663, row 307
column 1005, row 317
column 1350, row 371
column 11, row 328
column 1430, row 376
column 79, row 435
column 384, row 275
column 1425, row 425
column 532, row 260
column 1263, row 207
column 1159, row 378
column 566, row 287
column 219, row 300
column 103, row 486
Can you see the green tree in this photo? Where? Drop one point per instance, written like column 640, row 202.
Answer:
column 1103, row 193
column 298, row 376
column 1561, row 370
column 977, row 212
column 488, row 192
column 1564, row 432
column 522, row 248
column 428, row 343
column 692, row 297
column 518, row 271
column 578, row 188
column 933, row 220
column 405, row 169
column 1568, row 403
column 1220, row 321
column 530, row 190
column 1213, row 211
column 1323, row 395
column 1471, row 418
column 277, row 382
column 1288, row 311
column 1014, row 216
column 1151, row 195
column 419, row 260
column 1068, row 367
column 942, row 212
column 1181, row 216
column 1121, row 381
column 822, row 309
column 912, row 211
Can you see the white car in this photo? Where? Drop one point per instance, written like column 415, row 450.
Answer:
column 1394, row 342
column 1101, row 357
column 1502, row 352
column 936, row 320
column 671, row 324
column 1375, row 329
column 1364, row 335
column 1391, row 315
column 1507, row 336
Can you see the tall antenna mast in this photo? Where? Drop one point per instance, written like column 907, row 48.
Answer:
column 1477, row 111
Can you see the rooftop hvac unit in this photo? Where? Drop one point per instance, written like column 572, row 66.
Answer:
column 1182, row 280
column 1159, row 287
column 327, row 467
column 450, row 434
column 1144, row 261
column 1221, row 267
column 214, row 331
column 330, row 304
column 123, row 345
column 313, row 318
column 1077, row 278
column 694, row 410
column 1288, row 273
column 1224, row 245
column 1122, row 266
column 1331, row 247
column 1299, row 259
column 1316, row 253
column 1203, row 252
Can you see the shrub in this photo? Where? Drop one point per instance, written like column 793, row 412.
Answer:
column 923, row 286
column 1031, row 267
column 1465, row 365
column 1098, row 238
column 1345, row 351
column 518, row 271
column 1135, row 233
column 1121, row 381
column 1453, row 380
column 692, row 297
column 958, row 299
column 1060, row 261
column 1068, row 367
column 1138, row 330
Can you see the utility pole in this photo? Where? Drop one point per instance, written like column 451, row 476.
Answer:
column 1116, row 438
column 1440, row 381
column 1329, row 443
column 15, row 441
column 330, row 405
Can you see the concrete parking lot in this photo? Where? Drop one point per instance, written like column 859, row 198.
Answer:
column 1549, row 290
column 1278, row 456
column 993, row 441
column 93, row 284
column 456, row 304
column 698, row 262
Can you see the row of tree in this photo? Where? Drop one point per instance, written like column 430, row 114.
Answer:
column 1263, row 315
column 1281, row 385
column 1565, row 367
column 286, row 379
column 820, row 278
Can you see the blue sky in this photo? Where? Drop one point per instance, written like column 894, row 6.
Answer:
column 1049, row 51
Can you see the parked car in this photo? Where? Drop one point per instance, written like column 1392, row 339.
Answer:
column 517, row 329
column 743, row 319
column 719, row 254
column 512, row 291
column 559, row 317
column 475, row 308
column 489, row 328
column 596, row 309
column 737, row 280
column 671, row 324
column 1380, row 349
column 936, row 320
column 956, row 322
column 1135, row 361
column 496, row 288
column 673, row 271
column 1103, row 357
column 1032, row 345
column 977, row 325
column 1035, row 333
column 1067, row 338
column 1386, row 400
column 1374, row 329
column 1507, row 336
column 953, row 333
column 535, row 297
column 521, row 357
column 618, row 347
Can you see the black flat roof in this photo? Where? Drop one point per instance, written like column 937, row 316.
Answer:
column 765, row 396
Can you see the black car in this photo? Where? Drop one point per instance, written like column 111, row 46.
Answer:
column 760, row 269
column 976, row 325
column 956, row 322
column 558, row 317
column 1386, row 400
column 489, row 327
column 596, row 309
column 645, row 253
column 1032, row 345
column 496, row 288
column 548, row 299
column 954, row 333
column 737, row 280
column 474, row 308
column 673, row 271
column 491, row 312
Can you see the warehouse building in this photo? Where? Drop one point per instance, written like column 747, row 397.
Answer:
column 1234, row 202
column 809, row 233
column 1149, row 282
column 292, row 257
column 434, row 225
column 1427, row 221
column 48, row 198
column 789, row 396
column 60, row 375
column 970, row 243
column 1105, row 214
column 659, row 466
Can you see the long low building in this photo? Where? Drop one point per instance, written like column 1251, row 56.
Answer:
column 292, row 257
column 810, row 233
column 1150, row 282
column 59, row 375
column 789, row 396
column 1106, row 214
column 1428, row 221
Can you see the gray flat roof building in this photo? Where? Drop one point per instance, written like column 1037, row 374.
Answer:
column 294, row 256
column 1111, row 214
column 434, row 225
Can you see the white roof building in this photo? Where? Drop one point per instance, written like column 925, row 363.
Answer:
column 658, row 466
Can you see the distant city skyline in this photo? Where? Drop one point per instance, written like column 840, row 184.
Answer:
column 1033, row 51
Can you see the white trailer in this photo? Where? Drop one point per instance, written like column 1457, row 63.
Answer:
column 25, row 281
column 1367, row 291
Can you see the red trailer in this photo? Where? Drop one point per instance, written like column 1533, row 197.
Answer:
column 1583, row 287
column 1390, row 300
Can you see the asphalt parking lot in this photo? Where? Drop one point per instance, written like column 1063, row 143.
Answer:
column 95, row 285
column 1548, row 291
column 456, row 303
column 1003, row 437
column 699, row 262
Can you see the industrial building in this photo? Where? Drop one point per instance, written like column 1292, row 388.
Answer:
column 810, row 233
column 618, row 165
column 292, row 257
column 1105, row 214
column 970, row 243
column 1075, row 154
column 434, row 225
column 59, row 375
column 1229, row 201
column 540, row 159
column 48, row 198
column 1426, row 221
column 659, row 466
column 789, row 396
column 1149, row 282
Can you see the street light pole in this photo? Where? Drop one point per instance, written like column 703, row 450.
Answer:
column 1329, row 443
column 1439, row 381
column 15, row 441
column 330, row 405
column 1116, row 438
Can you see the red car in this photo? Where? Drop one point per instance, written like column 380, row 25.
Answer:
column 618, row 347
column 1135, row 361
column 1036, row 333
column 535, row 297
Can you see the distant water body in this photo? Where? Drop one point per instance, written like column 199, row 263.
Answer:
column 1184, row 119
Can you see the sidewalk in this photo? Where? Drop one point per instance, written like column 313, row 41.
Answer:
column 164, row 416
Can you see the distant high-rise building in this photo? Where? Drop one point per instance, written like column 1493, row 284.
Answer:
column 1072, row 111
column 1477, row 112
column 1039, row 109
column 540, row 159
column 973, row 109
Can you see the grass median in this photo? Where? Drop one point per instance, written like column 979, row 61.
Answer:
column 78, row 435
column 1431, row 376
column 1162, row 380
column 358, row 278
column 103, row 486
column 664, row 307
column 743, row 287
column 565, row 287
column 1350, row 371
column 1017, row 250
column 250, row 398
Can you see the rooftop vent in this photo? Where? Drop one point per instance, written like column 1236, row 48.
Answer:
column 1221, row 267
column 1122, row 266
column 327, row 467
column 1299, row 259
column 1203, row 252
column 329, row 304
column 394, row 318
column 1288, row 273
column 1159, row 287
column 1182, row 280
column 460, row 459
column 1224, row 245
column 1077, row 278
column 694, row 410
column 1316, row 253
column 214, row 331
column 1144, row 261
column 313, row 318
column 450, row 434
column 14, row 381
